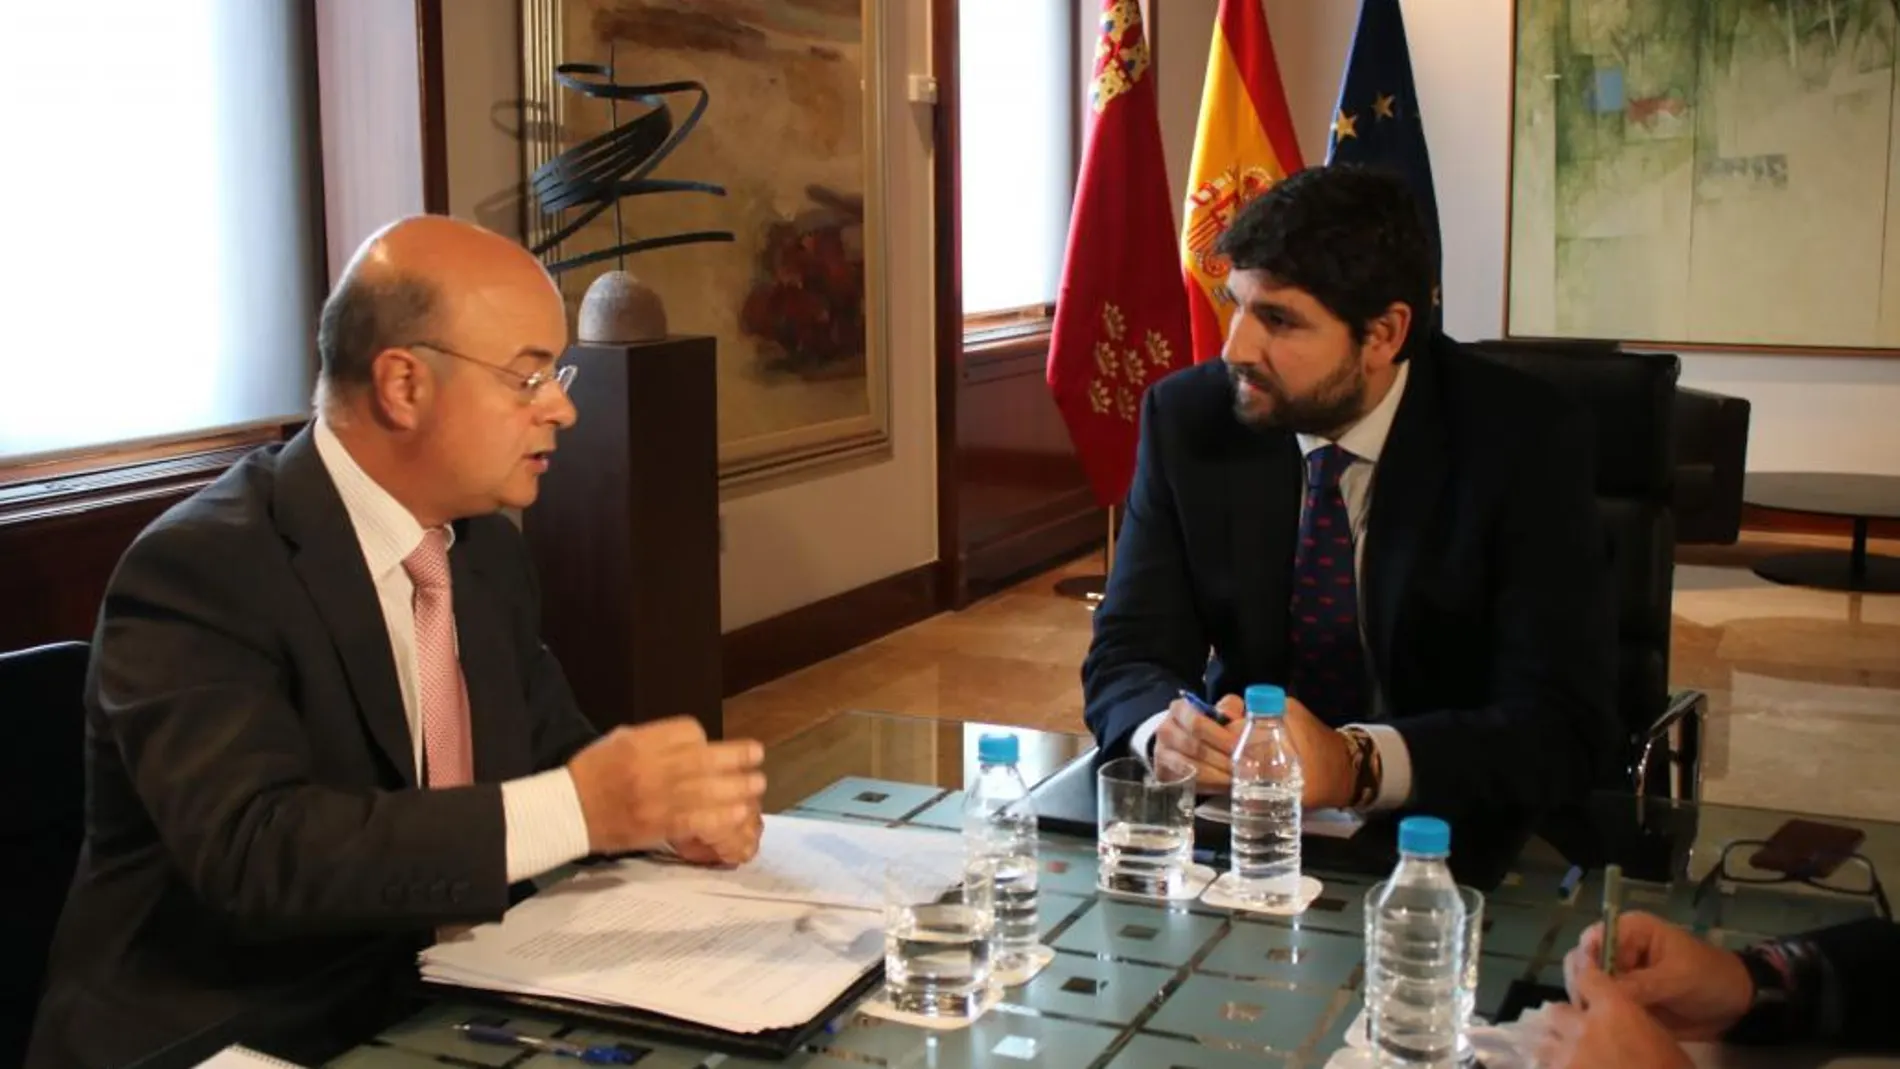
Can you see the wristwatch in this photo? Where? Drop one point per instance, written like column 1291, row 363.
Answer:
column 1771, row 1005
column 1368, row 768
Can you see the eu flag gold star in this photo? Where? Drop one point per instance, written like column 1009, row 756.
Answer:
column 1343, row 126
column 1382, row 105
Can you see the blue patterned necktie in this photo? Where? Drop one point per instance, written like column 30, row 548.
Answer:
column 1329, row 659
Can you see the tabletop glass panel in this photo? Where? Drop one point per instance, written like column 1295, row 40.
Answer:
column 1138, row 984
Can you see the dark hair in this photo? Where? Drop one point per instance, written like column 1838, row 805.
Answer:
column 365, row 315
column 1352, row 236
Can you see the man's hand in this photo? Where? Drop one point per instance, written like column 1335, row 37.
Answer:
column 1325, row 759
column 1695, row 990
column 1190, row 737
column 730, row 846
column 663, row 782
column 1603, row 1026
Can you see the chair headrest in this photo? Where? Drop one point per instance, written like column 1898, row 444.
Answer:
column 1630, row 398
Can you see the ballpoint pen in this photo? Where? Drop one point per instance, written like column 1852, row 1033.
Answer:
column 502, row 1037
column 1612, row 903
column 1200, row 703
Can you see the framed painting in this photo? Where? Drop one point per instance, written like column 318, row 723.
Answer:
column 1719, row 174
column 794, row 133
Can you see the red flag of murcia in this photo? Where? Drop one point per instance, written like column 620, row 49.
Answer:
column 1121, row 314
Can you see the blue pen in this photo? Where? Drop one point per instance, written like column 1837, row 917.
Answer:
column 1569, row 883
column 1201, row 703
column 502, row 1037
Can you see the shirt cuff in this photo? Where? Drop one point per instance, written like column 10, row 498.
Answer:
column 545, row 826
column 1395, row 786
column 1142, row 742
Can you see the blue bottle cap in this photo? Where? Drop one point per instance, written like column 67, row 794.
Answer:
column 998, row 749
column 1265, row 699
column 1425, row 836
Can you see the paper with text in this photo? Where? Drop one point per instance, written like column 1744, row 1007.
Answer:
column 244, row 1058
column 768, row 945
column 817, row 862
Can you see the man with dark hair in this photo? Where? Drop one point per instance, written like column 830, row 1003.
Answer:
column 321, row 725
column 1400, row 533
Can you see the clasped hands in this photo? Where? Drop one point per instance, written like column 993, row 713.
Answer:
column 1188, row 735
column 665, row 783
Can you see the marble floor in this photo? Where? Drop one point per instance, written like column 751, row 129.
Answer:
column 1803, row 685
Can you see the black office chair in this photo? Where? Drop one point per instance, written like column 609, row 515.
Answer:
column 1710, row 438
column 42, row 819
column 1631, row 400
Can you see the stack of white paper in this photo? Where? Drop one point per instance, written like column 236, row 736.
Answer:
column 768, row 945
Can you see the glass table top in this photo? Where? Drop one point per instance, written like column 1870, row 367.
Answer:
column 1190, row 986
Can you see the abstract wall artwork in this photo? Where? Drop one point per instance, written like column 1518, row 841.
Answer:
column 1712, row 172
column 795, row 301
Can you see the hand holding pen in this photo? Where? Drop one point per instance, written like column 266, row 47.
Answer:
column 1203, row 736
column 1693, row 989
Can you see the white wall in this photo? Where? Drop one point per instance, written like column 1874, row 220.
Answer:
column 1810, row 412
column 481, row 47
column 795, row 545
column 372, row 135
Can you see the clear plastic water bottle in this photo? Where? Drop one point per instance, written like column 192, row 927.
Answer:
column 1266, row 804
column 999, row 823
column 1414, row 954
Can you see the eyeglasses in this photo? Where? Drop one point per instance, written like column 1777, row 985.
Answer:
column 1855, row 876
column 530, row 385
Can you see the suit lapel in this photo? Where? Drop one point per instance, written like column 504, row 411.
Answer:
column 481, row 632
column 1406, row 489
column 1264, row 494
column 329, row 561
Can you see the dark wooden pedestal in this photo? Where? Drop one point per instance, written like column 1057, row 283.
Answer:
column 626, row 534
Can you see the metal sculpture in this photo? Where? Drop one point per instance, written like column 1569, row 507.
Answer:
column 600, row 172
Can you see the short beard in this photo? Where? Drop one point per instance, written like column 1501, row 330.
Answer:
column 1335, row 403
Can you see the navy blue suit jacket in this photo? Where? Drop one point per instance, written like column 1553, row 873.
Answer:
column 1487, row 606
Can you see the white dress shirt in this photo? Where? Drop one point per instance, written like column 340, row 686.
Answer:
column 542, row 813
column 1365, row 441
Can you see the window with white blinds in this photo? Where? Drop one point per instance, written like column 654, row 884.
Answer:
column 162, row 253
column 1016, row 133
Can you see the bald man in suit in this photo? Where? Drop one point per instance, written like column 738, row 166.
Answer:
column 321, row 722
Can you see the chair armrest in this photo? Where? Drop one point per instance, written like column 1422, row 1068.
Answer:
column 1675, row 737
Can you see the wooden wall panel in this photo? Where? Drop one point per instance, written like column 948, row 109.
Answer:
column 1022, row 500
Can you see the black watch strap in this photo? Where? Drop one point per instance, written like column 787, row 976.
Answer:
column 1771, row 1010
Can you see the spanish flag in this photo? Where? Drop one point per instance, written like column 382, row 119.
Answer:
column 1244, row 144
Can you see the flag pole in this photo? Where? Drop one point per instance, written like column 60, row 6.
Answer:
column 1089, row 589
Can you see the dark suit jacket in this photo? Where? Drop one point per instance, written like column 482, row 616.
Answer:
column 251, row 818
column 1487, row 608
column 1855, row 1000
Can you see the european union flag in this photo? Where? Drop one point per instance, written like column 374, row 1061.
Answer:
column 1377, row 122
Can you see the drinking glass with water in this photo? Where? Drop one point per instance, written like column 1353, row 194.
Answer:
column 937, row 941
column 1421, row 954
column 1145, row 833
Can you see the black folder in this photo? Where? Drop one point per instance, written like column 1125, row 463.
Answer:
column 776, row 1044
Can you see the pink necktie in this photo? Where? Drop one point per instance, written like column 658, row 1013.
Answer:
column 446, row 749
